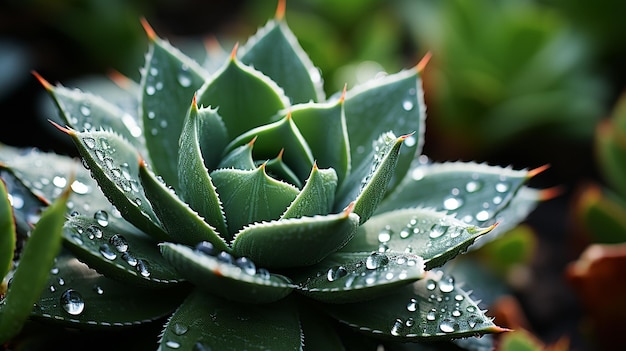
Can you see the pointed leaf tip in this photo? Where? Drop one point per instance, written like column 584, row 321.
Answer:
column 146, row 27
column 550, row 193
column 349, row 208
column 61, row 128
column 423, row 62
column 233, row 53
column 119, row 79
column 534, row 172
column 343, row 93
column 251, row 142
column 280, row 10
column 42, row 80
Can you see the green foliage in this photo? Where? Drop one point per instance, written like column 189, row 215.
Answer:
column 239, row 206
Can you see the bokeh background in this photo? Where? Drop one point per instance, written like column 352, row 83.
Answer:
column 510, row 82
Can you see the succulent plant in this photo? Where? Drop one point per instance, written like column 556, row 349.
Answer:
column 244, row 209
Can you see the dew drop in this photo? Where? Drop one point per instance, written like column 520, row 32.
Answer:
column 431, row 284
column 130, row 259
column 180, row 329
column 119, row 242
column 107, row 253
column 452, row 203
column 456, row 313
column 225, row 257
column 385, row 234
column 335, row 273
column 431, row 315
column 59, row 182
column 410, row 322
column 263, row 273
column 396, row 328
column 412, row 305
column 502, row 187
column 459, row 297
column 184, row 79
column 474, row 321
column 90, row 142
column 85, row 110
column 150, row 90
column 446, row 284
column 72, row 302
column 172, row 344
column 437, row 231
column 448, row 326
column 482, row 215
column 98, row 290
column 246, row 265
column 376, row 260
column 471, row 309
column 142, row 268
column 94, row 232
column 473, row 186
column 102, row 217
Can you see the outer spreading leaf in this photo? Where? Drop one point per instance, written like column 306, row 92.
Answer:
column 168, row 83
column 275, row 51
column 77, row 296
column 430, row 309
column 360, row 276
column 113, row 162
column 298, row 241
column 226, row 276
column 394, row 103
column 118, row 250
column 87, row 112
column 30, row 277
column 7, row 232
column 244, row 97
column 430, row 234
column 206, row 322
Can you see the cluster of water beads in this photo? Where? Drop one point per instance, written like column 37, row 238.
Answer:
column 381, row 146
column 244, row 263
column 377, row 268
column 114, row 246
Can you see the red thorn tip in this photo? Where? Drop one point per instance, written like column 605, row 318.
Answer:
column 233, row 53
column 146, row 27
column 194, row 100
column 251, row 142
column 288, row 117
column 119, row 79
column 315, row 164
column 59, row 127
column 550, row 193
column 534, row 172
column 41, row 80
column 280, row 10
column 211, row 45
column 343, row 93
column 405, row 136
column 423, row 62
column 349, row 208
column 280, row 154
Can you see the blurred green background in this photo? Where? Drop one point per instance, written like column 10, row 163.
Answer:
column 510, row 82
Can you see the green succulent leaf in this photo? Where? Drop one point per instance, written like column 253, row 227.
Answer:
column 280, row 137
column 275, row 51
column 324, row 128
column 244, row 97
column 368, row 183
column 118, row 250
column 430, row 234
column 36, row 260
column 45, row 174
column 170, row 209
column 477, row 194
column 226, row 276
column 603, row 213
column 251, row 196
column 85, row 111
column 317, row 196
column 7, row 233
column 297, row 241
column 319, row 330
column 394, row 103
column 168, row 83
column 277, row 168
column 78, row 296
column 114, row 163
column 360, row 276
column 429, row 309
column 207, row 322
column 239, row 157
column 195, row 186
